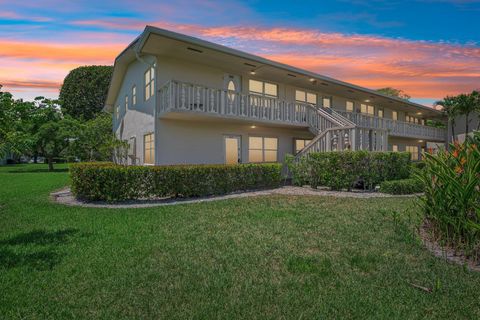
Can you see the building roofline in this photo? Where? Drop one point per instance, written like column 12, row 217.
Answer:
column 142, row 38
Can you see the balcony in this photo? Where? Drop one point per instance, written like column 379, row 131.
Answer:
column 396, row 128
column 181, row 97
column 177, row 97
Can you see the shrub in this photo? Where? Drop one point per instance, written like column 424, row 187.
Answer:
column 342, row 169
column 452, row 194
column 110, row 182
column 402, row 186
column 418, row 165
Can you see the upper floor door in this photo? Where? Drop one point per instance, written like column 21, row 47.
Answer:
column 232, row 84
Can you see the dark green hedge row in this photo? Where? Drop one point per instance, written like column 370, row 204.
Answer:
column 403, row 186
column 110, row 182
column 342, row 170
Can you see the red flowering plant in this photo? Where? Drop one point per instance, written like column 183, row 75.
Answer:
column 451, row 202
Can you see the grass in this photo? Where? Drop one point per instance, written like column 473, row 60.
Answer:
column 268, row 257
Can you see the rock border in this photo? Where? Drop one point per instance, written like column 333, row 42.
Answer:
column 447, row 253
column 64, row 196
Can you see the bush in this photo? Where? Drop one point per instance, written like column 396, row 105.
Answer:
column 110, row 182
column 343, row 169
column 418, row 165
column 403, row 186
column 452, row 194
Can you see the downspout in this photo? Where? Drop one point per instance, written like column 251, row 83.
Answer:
column 140, row 59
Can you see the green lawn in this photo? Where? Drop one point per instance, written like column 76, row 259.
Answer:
column 268, row 257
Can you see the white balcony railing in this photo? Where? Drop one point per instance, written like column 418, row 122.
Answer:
column 396, row 128
column 176, row 96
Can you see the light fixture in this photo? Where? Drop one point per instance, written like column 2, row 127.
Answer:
column 419, row 113
column 367, row 100
column 253, row 127
column 420, row 141
column 312, row 80
column 253, row 72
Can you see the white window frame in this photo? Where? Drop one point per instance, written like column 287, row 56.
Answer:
column 126, row 102
column 263, row 88
column 263, row 149
column 149, row 83
column 305, row 94
column 395, row 115
column 151, row 149
column 117, row 111
column 134, row 95
column 347, row 103
column 305, row 142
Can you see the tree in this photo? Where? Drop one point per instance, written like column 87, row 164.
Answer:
column 94, row 139
column 53, row 138
column 84, row 91
column 450, row 110
column 389, row 91
column 465, row 106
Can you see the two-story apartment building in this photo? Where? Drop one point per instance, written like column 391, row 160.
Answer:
column 178, row 99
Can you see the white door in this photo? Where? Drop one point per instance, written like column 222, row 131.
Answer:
column 232, row 83
column 233, row 150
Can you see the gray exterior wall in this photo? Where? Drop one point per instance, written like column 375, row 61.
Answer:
column 138, row 120
column 196, row 141
column 461, row 128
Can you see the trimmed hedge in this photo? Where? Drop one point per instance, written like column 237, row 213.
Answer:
column 110, row 182
column 403, row 186
column 344, row 169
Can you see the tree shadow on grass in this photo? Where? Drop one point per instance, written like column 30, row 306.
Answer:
column 17, row 251
column 40, row 237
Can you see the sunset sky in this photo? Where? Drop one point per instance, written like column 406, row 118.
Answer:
column 428, row 48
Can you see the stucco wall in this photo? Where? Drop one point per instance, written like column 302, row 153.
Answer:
column 138, row 119
column 202, row 142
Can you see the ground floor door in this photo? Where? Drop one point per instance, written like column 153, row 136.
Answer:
column 233, row 150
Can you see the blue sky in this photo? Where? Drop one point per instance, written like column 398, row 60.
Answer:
column 429, row 48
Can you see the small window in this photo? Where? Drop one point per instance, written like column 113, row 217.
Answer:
column 367, row 109
column 395, row 115
column 395, row 148
column 380, row 113
column 263, row 88
column 117, row 111
column 149, row 83
column 134, row 95
column 349, row 106
column 126, row 102
column 262, row 149
column 149, row 148
column 327, row 102
column 307, row 97
column 413, row 152
column 300, row 144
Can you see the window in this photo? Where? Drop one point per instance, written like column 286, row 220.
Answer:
column 300, row 144
column 413, row 152
column 380, row 113
column 262, row 149
column 395, row 115
column 349, row 106
column 134, row 95
column 117, row 111
column 149, row 148
column 149, row 83
column 263, row 88
column 327, row 102
column 395, row 148
column 126, row 102
column 307, row 97
column 367, row 109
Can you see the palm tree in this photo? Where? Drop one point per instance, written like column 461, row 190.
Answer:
column 450, row 110
column 476, row 102
column 465, row 106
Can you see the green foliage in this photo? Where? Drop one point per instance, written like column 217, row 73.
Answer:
column 452, row 194
column 389, row 91
column 418, row 165
column 84, row 91
column 107, row 181
column 402, row 186
column 341, row 170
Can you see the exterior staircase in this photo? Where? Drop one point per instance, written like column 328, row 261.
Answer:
column 333, row 131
